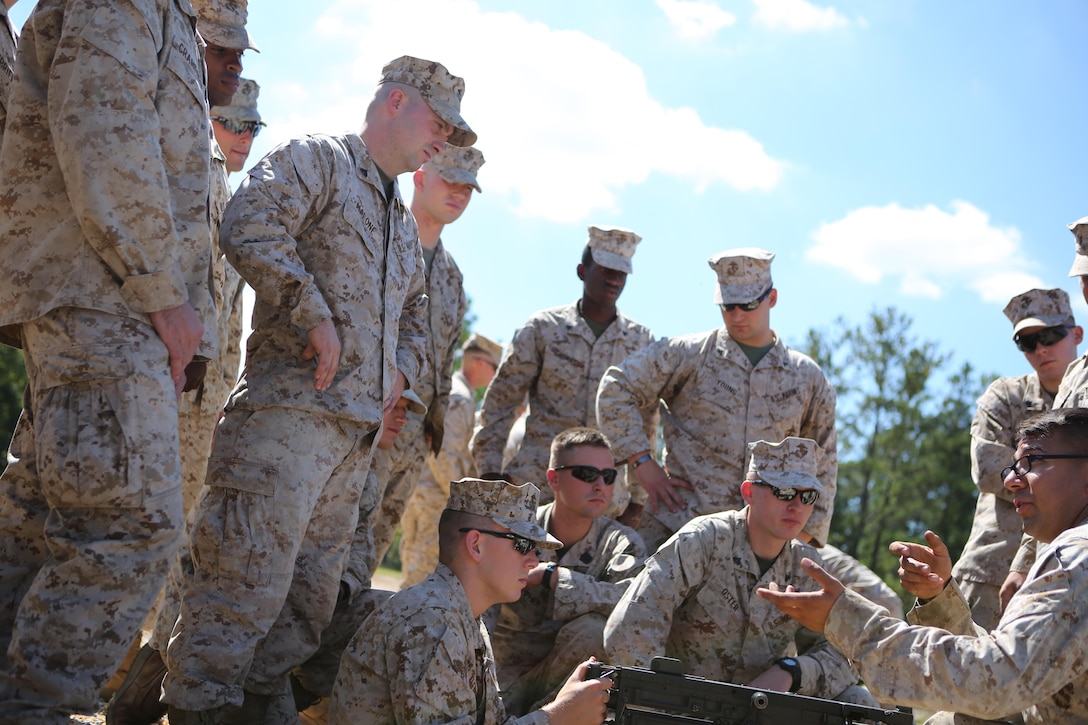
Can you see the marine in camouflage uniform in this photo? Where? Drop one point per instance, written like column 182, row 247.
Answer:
column 559, row 619
column 997, row 529
column 1033, row 662
column 419, row 525
column 1074, row 388
column 557, row 359
column 443, row 189
column 424, row 655
column 718, row 401
column 695, row 600
column 331, row 252
column 106, row 237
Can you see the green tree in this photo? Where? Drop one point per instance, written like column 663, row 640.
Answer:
column 904, row 437
column 12, row 384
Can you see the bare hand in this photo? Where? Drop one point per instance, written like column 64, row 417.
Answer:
column 323, row 343
column 808, row 608
column 580, row 701
column 180, row 330
column 924, row 571
column 398, row 388
column 536, row 575
column 774, row 678
column 659, row 485
column 1011, row 586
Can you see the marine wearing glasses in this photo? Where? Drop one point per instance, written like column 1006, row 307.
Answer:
column 1045, row 337
column 747, row 306
column 240, row 127
column 590, row 474
column 808, row 496
column 1022, row 465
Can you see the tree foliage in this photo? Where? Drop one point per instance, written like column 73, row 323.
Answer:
column 904, row 437
column 12, row 384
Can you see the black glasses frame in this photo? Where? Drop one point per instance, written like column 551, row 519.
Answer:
column 1030, row 459
column 808, row 497
column 747, row 306
column 1046, row 337
column 522, row 545
column 239, row 127
column 590, row 474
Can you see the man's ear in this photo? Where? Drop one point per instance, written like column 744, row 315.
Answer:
column 553, row 477
column 1078, row 334
column 472, row 545
column 746, row 491
column 582, row 272
column 772, row 298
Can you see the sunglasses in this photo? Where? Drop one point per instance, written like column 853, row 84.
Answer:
column 521, row 544
column 808, row 497
column 589, row 474
column 240, row 127
column 1045, row 337
column 747, row 306
column 1022, row 465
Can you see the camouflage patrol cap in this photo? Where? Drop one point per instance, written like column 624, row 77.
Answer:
column 491, row 350
column 613, row 247
column 1080, row 262
column 513, row 507
column 1039, row 308
column 223, row 23
column 441, row 89
column 790, row 464
column 459, row 165
column 414, row 403
column 244, row 105
column 743, row 274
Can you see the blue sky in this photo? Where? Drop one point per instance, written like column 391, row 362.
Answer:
column 923, row 155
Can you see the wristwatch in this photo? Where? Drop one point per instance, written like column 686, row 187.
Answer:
column 791, row 665
column 644, row 458
column 549, row 569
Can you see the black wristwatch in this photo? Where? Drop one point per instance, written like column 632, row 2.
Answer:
column 549, row 569
column 791, row 665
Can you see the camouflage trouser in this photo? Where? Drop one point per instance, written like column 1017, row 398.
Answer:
column 90, row 509
column 419, row 532
column 954, row 718
column 270, row 535
column 398, row 471
column 984, row 599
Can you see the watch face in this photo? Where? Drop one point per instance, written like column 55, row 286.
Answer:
column 789, row 662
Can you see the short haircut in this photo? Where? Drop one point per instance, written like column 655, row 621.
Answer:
column 587, row 257
column 449, row 531
column 1069, row 425
column 574, row 437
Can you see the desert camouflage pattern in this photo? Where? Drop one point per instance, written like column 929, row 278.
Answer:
column 859, row 578
column 459, row 165
column 696, row 600
column 270, row 537
column 422, row 657
column 743, row 274
column 128, row 233
column 419, row 525
column 311, row 231
column 1039, row 308
column 223, row 23
column 717, row 404
column 400, row 467
column 613, row 247
column 557, row 361
column 441, row 90
column 8, row 41
column 1073, row 392
column 540, row 639
column 997, row 528
column 790, row 463
column 91, row 509
column 1032, row 663
column 1080, row 247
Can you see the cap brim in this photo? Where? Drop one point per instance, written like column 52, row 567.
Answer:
column 793, row 479
column 1080, row 266
column 737, row 294
column 457, row 175
column 462, row 135
column 226, row 36
column 531, row 530
column 611, row 260
column 1039, row 321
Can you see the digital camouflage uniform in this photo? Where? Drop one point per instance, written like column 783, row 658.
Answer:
column 1073, row 392
column 557, row 361
column 311, row 231
column 696, row 600
column 399, row 468
column 1032, row 663
column 716, row 404
column 997, row 528
column 105, row 227
column 539, row 639
column 422, row 657
column 419, row 525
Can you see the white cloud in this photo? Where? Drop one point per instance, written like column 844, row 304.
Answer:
column 695, row 19
column 798, row 16
column 928, row 250
column 564, row 121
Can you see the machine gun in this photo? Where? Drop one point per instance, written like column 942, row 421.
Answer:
column 663, row 695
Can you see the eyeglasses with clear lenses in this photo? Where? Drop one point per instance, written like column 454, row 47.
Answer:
column 521, row 544
column 1045, row 337
column 589, row 474
column 1022, row 465
column 240, row 127
column 808, row 496
column 747, row 306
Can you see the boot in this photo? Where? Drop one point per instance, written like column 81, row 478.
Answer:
column 136, row 701
column 191, row 717
column 110, row 688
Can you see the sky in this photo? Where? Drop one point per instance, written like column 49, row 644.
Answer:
column 919, row 154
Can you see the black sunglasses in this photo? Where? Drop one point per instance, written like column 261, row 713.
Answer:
column 808, row 497
column 521, row 544
column 240, row 127
column 747, row 306
column 1022, row 465
column 1045, row 337
column 589, row 474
